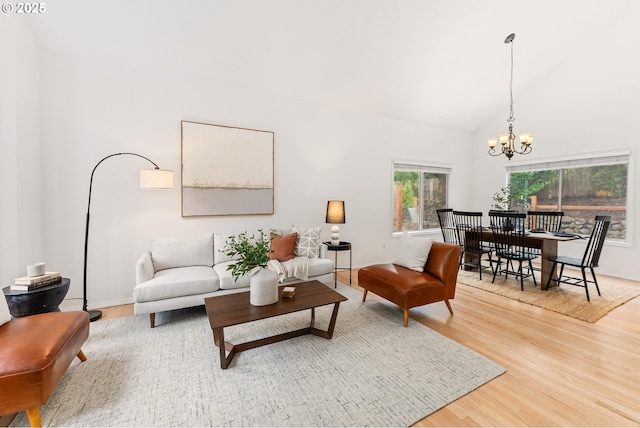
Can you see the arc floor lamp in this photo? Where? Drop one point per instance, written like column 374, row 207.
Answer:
column 149, row 179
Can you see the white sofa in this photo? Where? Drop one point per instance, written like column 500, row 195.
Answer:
column 180, row 272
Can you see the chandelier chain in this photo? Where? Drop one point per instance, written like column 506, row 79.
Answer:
column 511, row 117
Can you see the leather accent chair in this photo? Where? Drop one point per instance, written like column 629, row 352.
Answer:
column 408, row 288
column 35, row 352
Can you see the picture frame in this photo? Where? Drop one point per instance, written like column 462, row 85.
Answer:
column 226, row 170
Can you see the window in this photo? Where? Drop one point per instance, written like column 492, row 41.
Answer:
column 582, row 188
column 418, row 191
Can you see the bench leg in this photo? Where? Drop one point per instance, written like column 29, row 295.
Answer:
column 406, row 317
column 34, row 417
column 364, row 294
column 448, row 306
column 81, row 356
column 152, row 319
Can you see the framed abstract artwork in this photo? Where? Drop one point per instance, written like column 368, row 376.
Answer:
column 226, row 170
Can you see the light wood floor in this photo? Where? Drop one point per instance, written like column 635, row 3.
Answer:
column 560, row 371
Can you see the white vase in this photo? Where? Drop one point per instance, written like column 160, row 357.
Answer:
column 263, row 287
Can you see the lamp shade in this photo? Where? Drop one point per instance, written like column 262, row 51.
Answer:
column 156, row 179
column 335, row 212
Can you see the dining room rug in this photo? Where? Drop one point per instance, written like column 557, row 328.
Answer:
column 566, row 299
column 373, row 372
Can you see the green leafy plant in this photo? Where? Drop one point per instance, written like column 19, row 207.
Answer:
column 250, row 252
column 501, row 199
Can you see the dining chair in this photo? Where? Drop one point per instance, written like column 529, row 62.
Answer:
column 448, row 228
column 469, row 231
column 509, row 237
column 543, row 221
column 589, row 260
column 548, row 221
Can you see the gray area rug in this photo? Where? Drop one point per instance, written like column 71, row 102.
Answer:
column 374, row 372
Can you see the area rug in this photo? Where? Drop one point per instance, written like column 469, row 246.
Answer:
column 566, row 299
column 373, row 372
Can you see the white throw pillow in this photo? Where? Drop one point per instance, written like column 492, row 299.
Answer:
column 308, row 242
column 172, row 252
column 412, row 252
column 5, row 316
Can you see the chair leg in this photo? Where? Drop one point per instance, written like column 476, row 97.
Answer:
column 364, row 294
column 152, row 319
column 406, row 317
column 495, row 272
column 595, row 281
column 34, row 417
column 81, row 356
column 586, row 287
column 521, row 276
column 448, row 306
column 553, row 269
column 532, row 274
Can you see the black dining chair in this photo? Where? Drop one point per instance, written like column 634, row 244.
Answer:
column 509, row 238
column 547, row 221
column 469, row 230
column 543, row 221
column 448, row 228
column 589, row 260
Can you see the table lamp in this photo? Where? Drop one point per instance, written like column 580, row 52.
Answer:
column 335, row 216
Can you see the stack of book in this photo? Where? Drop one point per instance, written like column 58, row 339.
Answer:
column 26, row 283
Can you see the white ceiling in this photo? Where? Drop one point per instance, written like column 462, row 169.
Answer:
column 443, row 62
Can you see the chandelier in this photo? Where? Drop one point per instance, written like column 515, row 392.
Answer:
column 508, row 140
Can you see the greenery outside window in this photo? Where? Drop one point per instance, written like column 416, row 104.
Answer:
column 418, row 191
column 582, row 188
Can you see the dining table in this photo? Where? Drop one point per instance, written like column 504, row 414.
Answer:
column 546, row 242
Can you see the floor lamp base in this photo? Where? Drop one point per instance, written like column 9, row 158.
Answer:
column 94, row 315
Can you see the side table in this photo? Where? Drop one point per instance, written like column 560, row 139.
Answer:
column 36, row 301
column 343, row 246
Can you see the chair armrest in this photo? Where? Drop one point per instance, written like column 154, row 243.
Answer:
column 144, row 268
column 323, row 251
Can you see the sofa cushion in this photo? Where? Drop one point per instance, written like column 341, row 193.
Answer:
column 282, row 247
column 308, row 242
column 175, row 252
column 319, row 267
column 184, row 281
column 412, row 252
column 226, row 279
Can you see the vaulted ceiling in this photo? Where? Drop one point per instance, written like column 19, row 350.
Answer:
column 443, row 62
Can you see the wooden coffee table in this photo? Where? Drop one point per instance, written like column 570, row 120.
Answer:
column 233, row 309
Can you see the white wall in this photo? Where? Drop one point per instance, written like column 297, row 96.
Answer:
column 589, row 103
column 20, row 194
column 92, row 109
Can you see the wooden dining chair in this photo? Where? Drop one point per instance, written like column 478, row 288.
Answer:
column 469, row 231
column 508, row 230
column 589, row 260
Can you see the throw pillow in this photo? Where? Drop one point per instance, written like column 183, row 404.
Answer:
column 5, row 315
column 308, row 242
column 282, row 247
column 412, row 252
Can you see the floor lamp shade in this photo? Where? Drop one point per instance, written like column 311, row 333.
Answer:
column 335, row 216
column 149, row 179
column 156, row 179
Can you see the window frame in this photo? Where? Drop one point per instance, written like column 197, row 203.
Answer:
column 583, row 160
column 421, row 166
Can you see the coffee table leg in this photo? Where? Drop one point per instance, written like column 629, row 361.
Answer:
column 218, row 339
column 313, row 317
